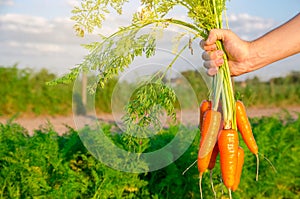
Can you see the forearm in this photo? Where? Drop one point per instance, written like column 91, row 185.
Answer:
column 278, row 44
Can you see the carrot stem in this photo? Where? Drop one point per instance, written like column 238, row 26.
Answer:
column 227, row 93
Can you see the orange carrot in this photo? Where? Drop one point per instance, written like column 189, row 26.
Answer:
column 213, row 157
column 205, row 106
column 209, row 133
column 202, row 166
column 211, row 124
column 228, row 145
column 239, row 168
column 244, row 127
column 203, row 163
column 212, row 164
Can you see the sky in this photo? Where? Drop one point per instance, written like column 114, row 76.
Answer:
column 39, row 34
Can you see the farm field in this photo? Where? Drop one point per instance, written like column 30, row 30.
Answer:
column 42, row 155
column 46, row 165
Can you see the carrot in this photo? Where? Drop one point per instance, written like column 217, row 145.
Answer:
column 203, row 163
column 209, row 133
column 210, row 129
column 244, row 127
column 202, row 166
column 205, row 106
column 239, row 168
column 228, row 145
column 212, row 164
column 213, row 157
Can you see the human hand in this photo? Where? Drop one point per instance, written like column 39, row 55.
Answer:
column 237, row 51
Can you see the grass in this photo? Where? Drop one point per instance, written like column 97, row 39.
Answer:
column 46, row 165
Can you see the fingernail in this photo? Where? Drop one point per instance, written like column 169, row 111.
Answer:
column 201, row 43
column 220, row 53
column 212, row 71
column 219, row 62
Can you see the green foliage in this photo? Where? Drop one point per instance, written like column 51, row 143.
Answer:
column 116, row 52
column 112, row 57
column 113, row 54
column 91, row 14
column 49, row 166
column 46, row 165
column 154, row 97
column 25, row 91
column 279, row 142
column 279, row 92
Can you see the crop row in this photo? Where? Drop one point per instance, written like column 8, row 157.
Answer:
column 46, row 165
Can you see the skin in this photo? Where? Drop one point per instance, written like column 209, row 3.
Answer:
column 246, row 56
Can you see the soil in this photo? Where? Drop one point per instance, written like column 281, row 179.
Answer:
column 61, row 124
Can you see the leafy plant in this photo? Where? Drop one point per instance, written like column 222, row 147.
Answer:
column 46, row 165
column 115, row 53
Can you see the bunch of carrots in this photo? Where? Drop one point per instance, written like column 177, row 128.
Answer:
column 217, row 138
column 221, row 118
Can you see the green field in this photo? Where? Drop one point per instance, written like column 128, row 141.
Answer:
column 46, row 165
column 24, row 92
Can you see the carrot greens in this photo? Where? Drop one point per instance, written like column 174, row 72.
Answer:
column 114, row 53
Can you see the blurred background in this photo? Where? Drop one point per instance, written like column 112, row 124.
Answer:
column 38, row 33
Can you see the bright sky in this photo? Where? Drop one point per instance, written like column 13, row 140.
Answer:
column 39, row 34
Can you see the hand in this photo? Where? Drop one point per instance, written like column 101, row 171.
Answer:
column 236, row 49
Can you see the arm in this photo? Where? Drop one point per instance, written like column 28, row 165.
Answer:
column 245, row 56
column 278, row 44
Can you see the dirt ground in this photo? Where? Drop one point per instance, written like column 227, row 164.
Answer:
column 61, row 123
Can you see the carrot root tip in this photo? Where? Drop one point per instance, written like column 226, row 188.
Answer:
column 257, row 166
column 188, row 168
column 212, row 184
column 200, row 185
column 230, row 196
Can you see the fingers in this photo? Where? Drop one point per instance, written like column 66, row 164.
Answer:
column 212, row 57
column 212, row 71
column 207, row 47
column 213, row 66
column 212, row 61
column 215, row 34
